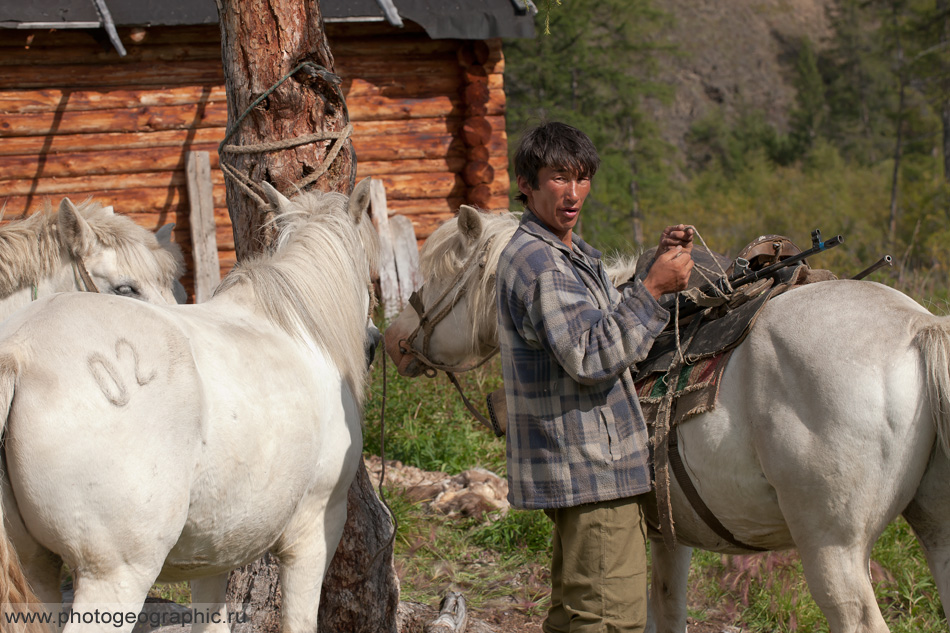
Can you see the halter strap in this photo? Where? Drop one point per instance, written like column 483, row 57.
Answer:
column 80, row 275
column 428, row 320
column 88, row 283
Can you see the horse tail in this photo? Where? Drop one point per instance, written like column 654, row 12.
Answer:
column 933, row 340
column 16, row 597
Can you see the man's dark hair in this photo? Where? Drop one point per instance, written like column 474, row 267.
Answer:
column 558, row 146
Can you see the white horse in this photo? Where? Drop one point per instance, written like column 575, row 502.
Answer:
column 86, row 248
column 150, row 443
column 833, row 418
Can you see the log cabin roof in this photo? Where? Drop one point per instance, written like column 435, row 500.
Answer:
column 441, row 19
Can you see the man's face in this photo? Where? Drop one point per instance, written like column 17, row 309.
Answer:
column 558, row 199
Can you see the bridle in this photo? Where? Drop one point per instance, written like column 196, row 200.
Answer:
column 429, row 318
column 80, row 274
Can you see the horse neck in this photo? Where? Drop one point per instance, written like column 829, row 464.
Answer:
column 297, row 294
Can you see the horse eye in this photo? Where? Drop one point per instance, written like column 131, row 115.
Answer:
column 126, row 290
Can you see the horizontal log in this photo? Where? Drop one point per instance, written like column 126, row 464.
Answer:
column 420, row 45
column 443, row 185
column 405, row 86
column 406, row 146
column 165, row 189
column 88, row 184
column 151, row 159
column 93, row 53
column 105, row 75
column 69, row 100
column 366, row 107
column 112, row 161
column 148, row 118
column 66, row 143
column 356, row 80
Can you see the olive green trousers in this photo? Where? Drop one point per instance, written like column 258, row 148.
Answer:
column 599, row 568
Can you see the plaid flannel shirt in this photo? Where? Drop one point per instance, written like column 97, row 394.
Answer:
column 568, row 338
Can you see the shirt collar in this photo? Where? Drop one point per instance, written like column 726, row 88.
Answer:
column 533, row 225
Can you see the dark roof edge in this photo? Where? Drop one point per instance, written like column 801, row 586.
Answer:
column 471, row 20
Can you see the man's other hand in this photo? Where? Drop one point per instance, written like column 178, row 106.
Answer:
column 670, row 271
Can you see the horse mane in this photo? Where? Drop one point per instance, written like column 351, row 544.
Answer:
column 31, row 249
column 620, row 268
column 311, row 285
column 446, row 252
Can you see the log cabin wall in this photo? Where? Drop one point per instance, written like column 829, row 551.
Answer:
column 78, row 120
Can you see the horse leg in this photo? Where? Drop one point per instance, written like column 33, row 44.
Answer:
column 41, row 567
column 669, row 575
column 210, row 595
column 109, row 601
column 304, row 551
column 839, row 579
column 929, row 515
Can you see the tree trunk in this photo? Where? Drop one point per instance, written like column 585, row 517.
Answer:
column 262, row 42
column 899, row 140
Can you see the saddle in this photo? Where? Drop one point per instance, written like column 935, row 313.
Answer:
column 680, row 377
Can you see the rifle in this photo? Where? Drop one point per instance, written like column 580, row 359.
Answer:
column 742, row 276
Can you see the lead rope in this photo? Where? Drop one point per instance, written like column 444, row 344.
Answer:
column 382, row 478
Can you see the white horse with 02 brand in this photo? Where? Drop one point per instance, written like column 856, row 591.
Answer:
column 152, row 444
column 833, row 418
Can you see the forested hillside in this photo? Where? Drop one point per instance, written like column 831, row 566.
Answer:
column 756, row 116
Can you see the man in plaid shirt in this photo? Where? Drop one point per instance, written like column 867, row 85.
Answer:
column 577, row 442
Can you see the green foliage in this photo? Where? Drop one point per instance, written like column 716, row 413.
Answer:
column 426, row 423
column 595, row 73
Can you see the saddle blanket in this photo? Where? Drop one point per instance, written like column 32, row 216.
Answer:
column 695, row 391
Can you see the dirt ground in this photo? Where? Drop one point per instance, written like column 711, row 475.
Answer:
column 513, row 621
column 475, row 490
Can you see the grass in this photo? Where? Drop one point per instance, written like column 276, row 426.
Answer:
column 767, row 593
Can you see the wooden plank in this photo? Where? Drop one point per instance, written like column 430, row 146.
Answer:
column 438, row 185
column 207, row 268
column 93, row 53
column 388, row 278
column 114, row 161
column 69, row 100
column 98, row 141
column 407, row 256
column 104, row 75
column 365, row 107
column 149, row 118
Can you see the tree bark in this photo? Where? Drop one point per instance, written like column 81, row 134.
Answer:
column 262, row 41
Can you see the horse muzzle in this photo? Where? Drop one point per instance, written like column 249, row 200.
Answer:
column 398, row 349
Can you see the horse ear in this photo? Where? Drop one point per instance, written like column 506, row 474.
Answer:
column 74, row 231
column 109, row 210
column 277, row 199
column 470, row 223
column 359, row 199
column 164, row 234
